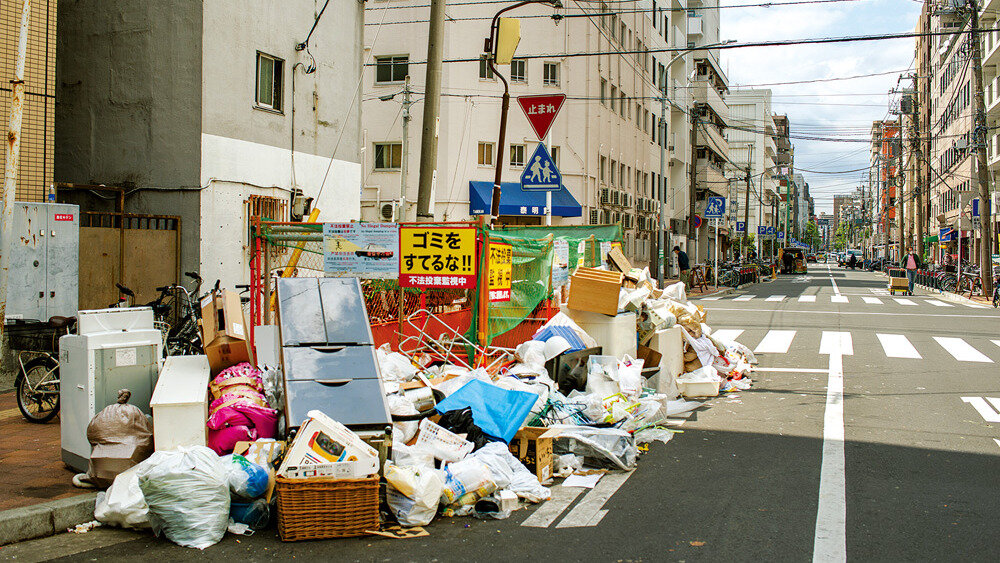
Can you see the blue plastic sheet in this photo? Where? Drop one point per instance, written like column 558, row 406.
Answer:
column 575, row 343
column 497, row 411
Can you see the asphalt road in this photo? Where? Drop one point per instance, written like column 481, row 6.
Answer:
column 901, row 466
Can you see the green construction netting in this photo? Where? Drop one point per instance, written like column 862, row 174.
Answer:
column 590, row 235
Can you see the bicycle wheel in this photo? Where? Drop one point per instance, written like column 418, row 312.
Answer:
column 34, row 388
column 949, row 283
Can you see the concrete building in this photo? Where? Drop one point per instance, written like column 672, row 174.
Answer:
column 839, row 201
column 35, row 164
column 606, row 140
column 886, row 147
column 207, row 111
column 751, row 137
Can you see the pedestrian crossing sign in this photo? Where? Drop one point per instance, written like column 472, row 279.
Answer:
column 540, row 172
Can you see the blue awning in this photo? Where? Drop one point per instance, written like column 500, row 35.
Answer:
column 515, row 201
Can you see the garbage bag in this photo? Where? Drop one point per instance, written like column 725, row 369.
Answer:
column 466, row 482
column 394, row 366
column 630, row 377
column 399, row 405
column 460, row 421
column 499, row 412
column 120, row 436
column 123, row 504
column 187, row 491
column 246, row 479
column 413, row 493
column 509, row 473
column 600, row 447
column 254, row 514
column 412, row 455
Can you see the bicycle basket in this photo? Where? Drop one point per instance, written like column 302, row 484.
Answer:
column 36, row 336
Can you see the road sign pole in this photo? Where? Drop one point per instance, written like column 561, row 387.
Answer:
column 548, row 193
column 715, row 270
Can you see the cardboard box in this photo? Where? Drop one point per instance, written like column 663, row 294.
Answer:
column 533, row 447
column 618, row 261
column 224, row 331
column 322, row 440
column 595, row 291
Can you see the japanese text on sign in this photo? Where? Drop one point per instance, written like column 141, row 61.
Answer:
column 540, row 109
column 437, row 257
column 501, row 267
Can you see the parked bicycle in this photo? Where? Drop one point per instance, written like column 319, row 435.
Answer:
column 36, row 384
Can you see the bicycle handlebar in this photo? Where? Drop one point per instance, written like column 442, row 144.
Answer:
column 193, row 275
column 125, row 290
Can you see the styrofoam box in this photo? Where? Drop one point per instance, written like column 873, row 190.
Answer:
column 699, row 388
column 180, row 403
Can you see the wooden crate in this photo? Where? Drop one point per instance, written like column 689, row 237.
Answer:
column 595, row 291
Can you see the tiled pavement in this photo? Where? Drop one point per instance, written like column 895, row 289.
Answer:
column 31, row 470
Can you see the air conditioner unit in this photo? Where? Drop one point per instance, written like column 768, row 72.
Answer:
column 615, row 197
column 387, row 211
column 593, row 217
column 605, row 196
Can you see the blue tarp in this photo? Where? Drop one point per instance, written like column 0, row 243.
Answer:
column 515, row 201
column 497, row 411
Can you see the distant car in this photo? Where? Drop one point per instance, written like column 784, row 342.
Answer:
column 811, row 258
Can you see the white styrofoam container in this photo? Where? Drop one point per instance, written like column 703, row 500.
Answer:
column 695, row 389
column 615, row 335
column 180, row 403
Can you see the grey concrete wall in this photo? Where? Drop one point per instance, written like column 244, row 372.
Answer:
column 236, row 29
column 129, row 77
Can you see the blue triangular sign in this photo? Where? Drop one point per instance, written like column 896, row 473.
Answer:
column 540, row 172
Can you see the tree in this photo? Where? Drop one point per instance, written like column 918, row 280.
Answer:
column 812, row 236
column 840, row 239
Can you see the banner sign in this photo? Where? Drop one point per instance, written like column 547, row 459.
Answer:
column 362, row 250
column 437, row 257
column 501, row 266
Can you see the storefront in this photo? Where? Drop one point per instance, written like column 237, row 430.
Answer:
column 518, row 206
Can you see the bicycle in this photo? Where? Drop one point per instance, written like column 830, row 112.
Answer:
column 36, row 384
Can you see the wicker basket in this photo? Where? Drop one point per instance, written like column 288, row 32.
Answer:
column 312, row 509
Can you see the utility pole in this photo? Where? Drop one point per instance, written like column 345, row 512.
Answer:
column 982, row 170
column 13, row 154
column 405, row 156
column 899, row 179
column 692, row 192
column 746, row 201
column 918, row 183
column 661, row 188
column 432, row 110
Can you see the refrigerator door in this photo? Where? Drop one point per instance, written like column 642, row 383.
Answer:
column 352, row 402
column 304, row 363
column 300, row 312
column 344, row 311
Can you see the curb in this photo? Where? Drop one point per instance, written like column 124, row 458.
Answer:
column 45, row 519
column 947, row 295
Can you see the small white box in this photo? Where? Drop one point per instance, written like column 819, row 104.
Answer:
column 180, row 403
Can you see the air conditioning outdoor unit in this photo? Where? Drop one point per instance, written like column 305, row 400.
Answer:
column 387, row 211
column 615, row 197
column 605, row 196
column 593, row 217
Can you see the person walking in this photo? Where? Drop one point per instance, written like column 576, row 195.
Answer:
column 911, row 262
column 684, row 265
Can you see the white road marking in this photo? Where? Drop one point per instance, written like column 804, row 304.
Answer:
column 836, row 342
column 975, row 306
column 775, row 298
column 807, row 299
column 838, row 298
column 989, row 413
column 997, row 342
column 962, row 350
column 997, row 440
column 830, row 540
column 879, row 290
column 937, row 303
column 793, row 370
column 547, row 513
column 589, row 511
column 716, row 298
column 902, row 301
column 744, row 298
column 836, row 289
column 872, row 300
column 775, row 342
column 897, row 346
column 872, row 313
column 728, row 333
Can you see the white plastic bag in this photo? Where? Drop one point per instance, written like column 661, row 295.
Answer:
column 413, row 493
column 123, row 504
column 399, row 405
column 675, row 292
column 509, row 473
column 630, row 378
column 394, row 366
column 466, row 482
column 188, row 495
column 412, row 455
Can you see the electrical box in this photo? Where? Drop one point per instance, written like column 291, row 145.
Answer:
column 45, row 261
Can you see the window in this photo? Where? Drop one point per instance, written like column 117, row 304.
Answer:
column 388, row 156
column 614, row 172
column 604, row 92
column 485, row 70
column 555, row 156
column 624, row 105
column 690, row 44
column 602, row 169
column 517, row 155
column 614, row 98
column 485, row 154
column 550, row 72
column 518, row 70
column 638, row 114
column 621, row 38
column 391, row 69
column 269, row 74
column 621, row 175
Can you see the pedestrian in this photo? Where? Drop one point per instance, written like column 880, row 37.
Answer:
column 683, row 265
column 852, row 262
column 911, row 262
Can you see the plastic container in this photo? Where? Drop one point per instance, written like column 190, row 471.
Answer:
column 180, row 403
column 446, row 445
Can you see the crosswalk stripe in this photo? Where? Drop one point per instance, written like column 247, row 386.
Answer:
column 897, row 346
column 807, row 299
column 590, row 510
column 974, row 306
column 997, row 342
column 872, row 300
column 744, row 298
column 937, row 303
column 962, row 350
column 902, row 301
column 775, row 342
column 716, row 298
column 836, row 343
column 775, row 298
column 838, row 299
column 547, row 513
column 730, row 334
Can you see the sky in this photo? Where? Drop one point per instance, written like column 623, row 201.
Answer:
column 843, row 108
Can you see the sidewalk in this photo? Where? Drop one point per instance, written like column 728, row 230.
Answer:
column 31, row 468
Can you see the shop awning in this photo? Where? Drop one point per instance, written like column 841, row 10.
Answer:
column 931, row 239
column 515, row 201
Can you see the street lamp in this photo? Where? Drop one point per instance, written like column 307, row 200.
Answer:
column 490, row 48
column 662, row 237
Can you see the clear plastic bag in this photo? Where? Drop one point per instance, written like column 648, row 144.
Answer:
column 123, row 504
column 187, row 491
column 600, row 447
column 466, row 482
column 509, row 473
column 246, row 479
column 413, row 493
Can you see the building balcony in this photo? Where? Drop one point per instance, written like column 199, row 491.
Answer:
column 710, row 137
column 711, row 177
column 770, row 149
column 992, row 96
column 705, row 93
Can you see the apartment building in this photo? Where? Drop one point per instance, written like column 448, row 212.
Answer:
column 886, row 152
column 921, row 175
column 839, row 201
column 752, row 147
column 35, row 164
column 607, row 140
column 207, row 112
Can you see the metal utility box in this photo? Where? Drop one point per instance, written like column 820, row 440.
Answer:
column 114, row 349
column 45, row 261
